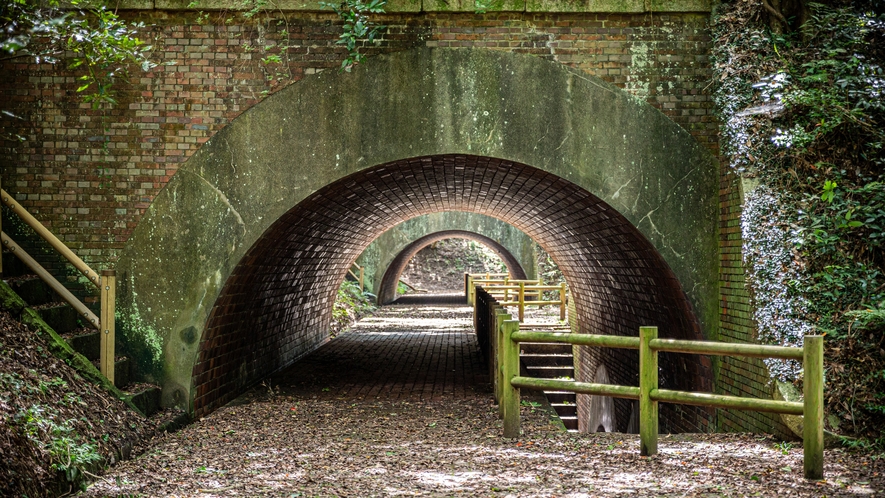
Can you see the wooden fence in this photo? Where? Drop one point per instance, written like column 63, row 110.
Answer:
column 511, row 292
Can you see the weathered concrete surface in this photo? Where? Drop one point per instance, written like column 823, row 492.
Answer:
column 409, row 104
column 377, row 257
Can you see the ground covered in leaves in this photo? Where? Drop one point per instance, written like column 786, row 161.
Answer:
column 316, row 430
column 53, row 423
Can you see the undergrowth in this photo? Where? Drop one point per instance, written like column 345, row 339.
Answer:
column 351, row 304
column 803, row 116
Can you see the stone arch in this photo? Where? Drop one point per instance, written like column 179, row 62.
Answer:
column 382, row 251
column 434, row 130
column 388, row 282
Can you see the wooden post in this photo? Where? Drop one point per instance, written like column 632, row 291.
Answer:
column 106, row 319
column 522, row 301
column 470, row 290
column 812, row 420
column 510, row 394
column 499, row 363
column 562, row 302
column 362, row 278
column 466, row 283
column 648, row 381
column 506, row 290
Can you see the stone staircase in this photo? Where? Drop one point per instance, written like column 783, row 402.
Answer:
column 552, row 361
column 66, row 323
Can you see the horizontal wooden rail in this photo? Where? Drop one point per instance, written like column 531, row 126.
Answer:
column 56, row 244
column 508, row 337
column 51, row 281
column 725, row 349
column 615, row 391
column 605, row 341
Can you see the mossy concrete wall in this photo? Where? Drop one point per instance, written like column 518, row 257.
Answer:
column 411, row 104
column 377, row 257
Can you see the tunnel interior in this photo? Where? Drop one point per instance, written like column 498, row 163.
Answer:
column 276, row 305
column 387, row 289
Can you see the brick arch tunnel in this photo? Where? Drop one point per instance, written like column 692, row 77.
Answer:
column 277, row 301
column 387, row 288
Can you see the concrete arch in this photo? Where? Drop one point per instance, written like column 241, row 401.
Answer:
column 390, row 278
column 381, row 252
column 488, row 127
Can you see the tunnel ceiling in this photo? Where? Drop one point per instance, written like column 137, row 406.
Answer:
column 277, row 303
column 387, row 289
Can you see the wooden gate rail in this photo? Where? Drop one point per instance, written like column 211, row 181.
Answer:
column 521, row 290
column 106, row 282
column 649, row 395
column 359, row 275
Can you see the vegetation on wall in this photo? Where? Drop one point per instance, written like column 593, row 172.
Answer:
column 803, row 119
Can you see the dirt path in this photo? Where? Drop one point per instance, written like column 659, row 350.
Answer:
column 400, row 406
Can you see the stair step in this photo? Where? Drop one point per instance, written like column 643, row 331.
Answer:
column 562, row 360
column 146, row 398
column 550, row 372
column 565, row 410
column 544, row 348
column 87, row 342
column 60, row 316
column 561, row 397
column 570, row 423
column 121, row 371
column 32, row 289
column 12, row 266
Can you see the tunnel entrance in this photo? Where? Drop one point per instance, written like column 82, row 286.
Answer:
column 387, row 290
column 276, row 305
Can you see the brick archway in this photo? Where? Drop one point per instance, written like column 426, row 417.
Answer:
column 276, row 305
column 387, row 288
column 185, row 259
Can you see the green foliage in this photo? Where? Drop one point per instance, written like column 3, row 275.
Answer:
column 66, row 452
column 359, row 28
column 351, row 303
column 93, row 40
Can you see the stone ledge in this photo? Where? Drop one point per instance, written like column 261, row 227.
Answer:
column 393, row 6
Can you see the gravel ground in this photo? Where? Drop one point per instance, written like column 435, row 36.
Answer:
column 312, row 439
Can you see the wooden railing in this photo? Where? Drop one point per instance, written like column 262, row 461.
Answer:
column 106, row 282
column 359, row 275
column 519, row 293
column 508, row 382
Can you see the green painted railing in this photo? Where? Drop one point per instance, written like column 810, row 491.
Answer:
column 509, row 382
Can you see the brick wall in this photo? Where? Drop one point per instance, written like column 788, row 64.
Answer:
column 90, row 174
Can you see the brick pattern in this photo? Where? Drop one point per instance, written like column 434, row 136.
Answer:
column 435, row 356
column 274, row 307
column 90, row 174
column 746, row 377
column 390, row 279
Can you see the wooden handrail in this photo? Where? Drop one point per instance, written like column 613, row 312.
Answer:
column 41, row 272
column 56, row 244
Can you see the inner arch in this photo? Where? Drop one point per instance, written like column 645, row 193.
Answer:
column 387, row 289
column 276, row 305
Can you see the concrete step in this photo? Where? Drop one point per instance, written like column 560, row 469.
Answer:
column 570, row 423
column 122, row 367
column 13, row 267
column 561, row 397
column 32, row 290
column 146, row 398
column 60, row 316
column 565, row 409
column 549, row 372
column 564, row 360
column 542, row 348
column 86, row 342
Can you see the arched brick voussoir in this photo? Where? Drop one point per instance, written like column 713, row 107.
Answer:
column 390, row 278
column 276, row 305
column 424, row 103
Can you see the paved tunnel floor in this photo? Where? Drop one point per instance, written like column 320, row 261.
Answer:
column 399, row 406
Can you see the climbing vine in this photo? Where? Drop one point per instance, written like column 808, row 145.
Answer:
column 803, row 119
column 359, row 28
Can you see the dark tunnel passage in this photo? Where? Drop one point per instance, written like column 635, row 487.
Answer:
column 387, row 289
column 276, row 305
